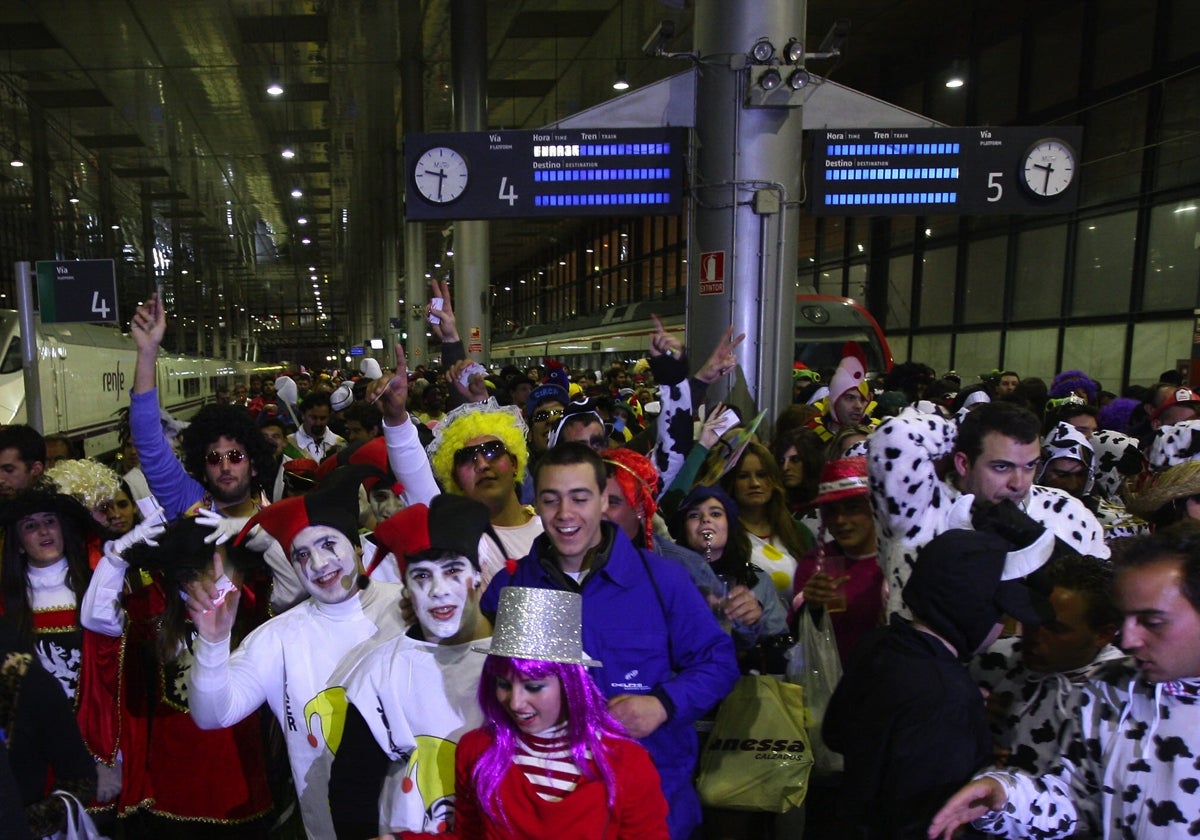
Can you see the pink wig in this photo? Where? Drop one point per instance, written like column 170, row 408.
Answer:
column 588, row 724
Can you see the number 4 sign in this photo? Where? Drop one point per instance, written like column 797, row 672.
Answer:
column 77, row 291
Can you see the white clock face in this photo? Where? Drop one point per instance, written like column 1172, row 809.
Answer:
column 1049, row 168
column 440, row 175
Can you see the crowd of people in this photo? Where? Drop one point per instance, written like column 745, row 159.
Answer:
column 508, row 603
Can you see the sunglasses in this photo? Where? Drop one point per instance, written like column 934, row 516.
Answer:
column 546, row 414
column 235, row 456
column 490, row 450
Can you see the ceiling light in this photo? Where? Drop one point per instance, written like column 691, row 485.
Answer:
column 16, row 160
column 956, row 77
column 297, row 192
column 302, row 220
column 73, row 196
column 622, row 80
column 287, row 153
column 274, row 87
column 306, row 241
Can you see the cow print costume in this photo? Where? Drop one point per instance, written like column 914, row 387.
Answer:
column 1129, row 766
column 912, row 505
column 1175, row 444
column 1028, row 709
column 1118, row 458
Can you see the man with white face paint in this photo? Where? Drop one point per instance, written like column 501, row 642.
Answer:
column 295, row 661
column 412, row 698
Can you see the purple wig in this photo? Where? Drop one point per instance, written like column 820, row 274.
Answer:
column 1069, row 381
column 1117, row 415
column 588, row 725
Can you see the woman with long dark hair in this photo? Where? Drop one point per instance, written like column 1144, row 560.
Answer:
column 708, row 523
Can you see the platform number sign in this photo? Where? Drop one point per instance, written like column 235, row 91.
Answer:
column 77, row 291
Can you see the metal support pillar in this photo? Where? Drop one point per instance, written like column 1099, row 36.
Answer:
column 412, row 105
column 472, row 269
column 747, row 165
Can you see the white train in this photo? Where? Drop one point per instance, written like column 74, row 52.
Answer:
column 86, row 371
column 622, row 333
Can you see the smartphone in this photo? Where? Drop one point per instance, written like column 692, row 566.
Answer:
column 435, row 303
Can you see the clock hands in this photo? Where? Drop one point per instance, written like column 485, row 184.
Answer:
column 440, row 174
column 1048, row 169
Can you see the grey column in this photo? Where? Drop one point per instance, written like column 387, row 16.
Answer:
column 472, row 271
column 412, row 108
column 747, row 176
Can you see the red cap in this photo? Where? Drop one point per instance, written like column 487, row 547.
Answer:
column 1180, row 396
column 842, row 478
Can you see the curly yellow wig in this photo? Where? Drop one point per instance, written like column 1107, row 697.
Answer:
column 90, row 483
column 453, row 433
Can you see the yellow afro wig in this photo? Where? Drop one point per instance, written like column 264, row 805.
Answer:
column 91, row 484
column 471, row 421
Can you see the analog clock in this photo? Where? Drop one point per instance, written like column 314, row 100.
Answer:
column 1048, row 168
column 440, row 174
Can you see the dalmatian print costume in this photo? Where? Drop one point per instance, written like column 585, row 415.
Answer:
column 1127, row 766
column 1174, row 444
column 1030, row 707
column 1065, row 441
column 912, row 505
column 1118, row 457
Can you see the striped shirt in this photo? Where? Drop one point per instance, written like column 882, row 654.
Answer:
column 546, row 761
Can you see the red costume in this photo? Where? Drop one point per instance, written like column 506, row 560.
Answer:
column 639, row 811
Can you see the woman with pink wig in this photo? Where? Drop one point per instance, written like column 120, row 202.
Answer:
column 549, row 761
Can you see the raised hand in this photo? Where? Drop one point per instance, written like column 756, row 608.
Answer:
column 447, row 328
column 663, row 343
column 722, row 360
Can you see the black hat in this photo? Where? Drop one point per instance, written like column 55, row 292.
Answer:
column 334, row 503
column 451, row 523
column 965, row 581
column 43, row 497
column 183, row 555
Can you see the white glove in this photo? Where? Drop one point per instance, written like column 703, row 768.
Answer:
column 108, row 780
column 226, row 528
column 144, row 532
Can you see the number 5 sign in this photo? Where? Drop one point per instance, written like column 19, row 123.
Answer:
column 77, row 291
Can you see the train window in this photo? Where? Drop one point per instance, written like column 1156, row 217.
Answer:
column 12, row 357
column 191, row 387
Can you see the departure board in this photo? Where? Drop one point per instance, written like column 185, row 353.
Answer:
column 545, row 173
column 919, row 171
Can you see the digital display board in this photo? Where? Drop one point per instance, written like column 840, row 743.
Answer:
column 545, row 173
column 917, row 171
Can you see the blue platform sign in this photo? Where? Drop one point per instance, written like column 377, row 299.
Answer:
column 77, row 291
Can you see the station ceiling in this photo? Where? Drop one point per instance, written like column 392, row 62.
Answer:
column 166, row 101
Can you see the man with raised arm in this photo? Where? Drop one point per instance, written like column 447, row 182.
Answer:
column 293, row 662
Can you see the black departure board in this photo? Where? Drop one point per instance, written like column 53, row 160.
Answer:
column 919, row 171
column 545, row 173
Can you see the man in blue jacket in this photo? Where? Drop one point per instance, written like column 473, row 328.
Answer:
column 666, row 661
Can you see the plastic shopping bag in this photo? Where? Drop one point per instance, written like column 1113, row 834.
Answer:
column 819, row 676
column 757, row 757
